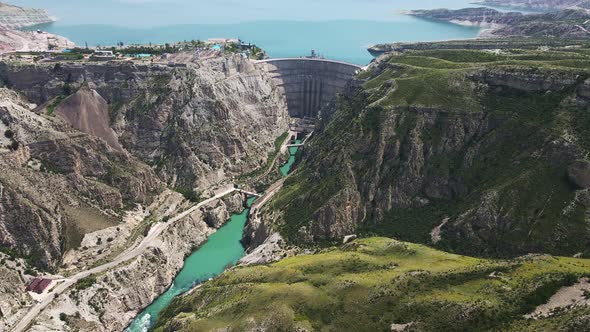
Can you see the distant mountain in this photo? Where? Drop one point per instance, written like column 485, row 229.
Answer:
column 14, row 17
column 568, row 23
column 537, row 4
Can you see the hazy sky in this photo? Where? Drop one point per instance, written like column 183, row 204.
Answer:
column 145, row 13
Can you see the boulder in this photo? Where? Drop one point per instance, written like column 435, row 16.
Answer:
column 349, row 238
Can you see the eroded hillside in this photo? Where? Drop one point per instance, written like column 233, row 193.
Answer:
column 96, row 154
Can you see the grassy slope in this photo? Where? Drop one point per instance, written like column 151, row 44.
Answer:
column 440, row 79
column 372, row 283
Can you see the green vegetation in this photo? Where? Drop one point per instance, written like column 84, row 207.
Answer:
column 153, row 50
column 85, row 283
column 254, row 177
column 54, row 103
column 49, row 167
column 483, row 138
column 9, row 134
column 372, row 283
column 189, row 194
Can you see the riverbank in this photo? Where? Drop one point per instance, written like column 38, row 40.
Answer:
column 222, row 250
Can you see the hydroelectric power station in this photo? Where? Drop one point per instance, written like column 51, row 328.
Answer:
column 310, row 83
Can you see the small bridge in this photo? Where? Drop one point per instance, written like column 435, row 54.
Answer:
column 310, row 83
column 248, row 193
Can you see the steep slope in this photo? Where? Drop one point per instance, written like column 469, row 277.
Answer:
column 473, row 151
column 198, row 126
column 88, row 112
column 380, row 284
column 51, row 173
column 537, row 4
column 76, row 193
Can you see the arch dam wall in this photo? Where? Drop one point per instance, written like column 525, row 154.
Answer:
column 309, row 83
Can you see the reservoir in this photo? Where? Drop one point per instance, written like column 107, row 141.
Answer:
column 339, row 30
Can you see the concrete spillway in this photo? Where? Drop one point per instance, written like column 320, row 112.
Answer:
column 309, row 83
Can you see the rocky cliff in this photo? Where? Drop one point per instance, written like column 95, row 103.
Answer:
column 52, row 172
column 476, row 152
column 198, row 126
column 109, row 302
column 89, row 148
column 14, row 17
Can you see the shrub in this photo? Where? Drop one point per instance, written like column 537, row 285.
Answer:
column 14, row 145
column 9, row 133
column 189, row 194
column 85, row 283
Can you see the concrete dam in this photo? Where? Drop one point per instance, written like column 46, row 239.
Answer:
column 309, row 83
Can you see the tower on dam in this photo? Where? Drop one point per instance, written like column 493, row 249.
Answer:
column 310, row 83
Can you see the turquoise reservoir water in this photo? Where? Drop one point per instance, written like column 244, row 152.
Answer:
column 222, row 249
column 337, row 29
column 292, row 154
column 339, row 40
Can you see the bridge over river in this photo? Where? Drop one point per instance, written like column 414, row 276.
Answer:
column 310, row 83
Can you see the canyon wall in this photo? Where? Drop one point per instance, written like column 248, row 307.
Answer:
column 435, row 147
column 89, row 151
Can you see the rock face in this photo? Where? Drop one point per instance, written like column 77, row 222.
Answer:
column 198, row 125
column 14, row 17
column 50, row 171
column 402, row 156
column 116, row 297
column 31, row 41
column 83, row 144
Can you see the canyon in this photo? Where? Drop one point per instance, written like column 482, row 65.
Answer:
column 114, row 139
column 443, row 187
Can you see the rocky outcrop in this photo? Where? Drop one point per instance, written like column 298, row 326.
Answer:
column 198, row 125
column 14, row 17
column 11, row 286
column 527, row 79
column 53, row 169
column 31, row 41
column 483, row 17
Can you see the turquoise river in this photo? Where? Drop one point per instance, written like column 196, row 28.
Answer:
column 222, row 249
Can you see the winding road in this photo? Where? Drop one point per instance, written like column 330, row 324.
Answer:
column 154, row 232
